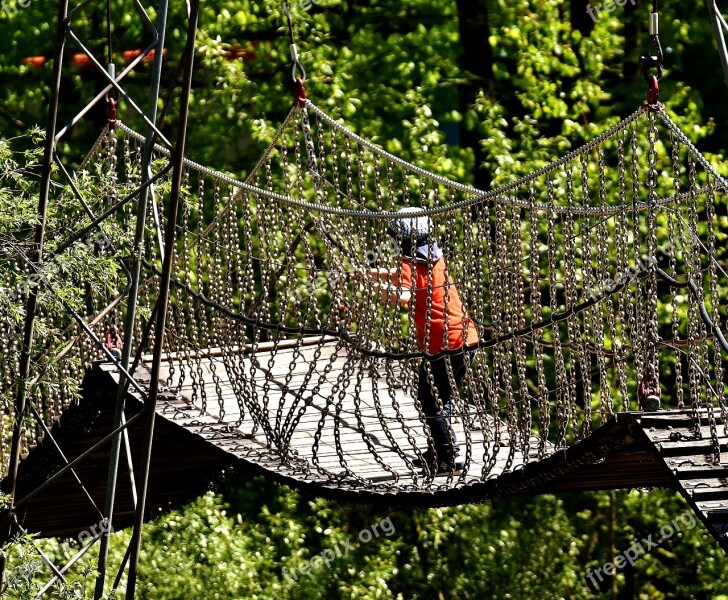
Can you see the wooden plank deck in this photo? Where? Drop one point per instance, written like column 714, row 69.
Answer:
column 686, row 445
column 336, row 427
column 199, row 436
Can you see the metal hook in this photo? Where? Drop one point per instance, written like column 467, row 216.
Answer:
column 653, row 92
column 653, row 60
column 299, row 91
column 111, row 115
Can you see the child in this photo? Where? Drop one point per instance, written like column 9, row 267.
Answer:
column 423, row 272
column 114, row 343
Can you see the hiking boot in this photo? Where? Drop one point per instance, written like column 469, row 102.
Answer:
column 428, row 457
column 454, row 466
column 445, row 466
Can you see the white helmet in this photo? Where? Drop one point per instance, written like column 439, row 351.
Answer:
column 413, row 227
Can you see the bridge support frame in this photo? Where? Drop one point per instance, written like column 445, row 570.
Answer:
column 163, row 298
column 720, row 27
column 113, row 82
column 132, row 304
column 36, row 257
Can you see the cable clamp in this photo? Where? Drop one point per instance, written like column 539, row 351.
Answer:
column 654, row 57
column 297, row 70
column 297, row 66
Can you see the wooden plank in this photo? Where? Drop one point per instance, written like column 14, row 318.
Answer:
column 702, row 471
column 361, row 422
column 207, row 353
column 685, row 434
column 704, row 484
column 685, row 448
column 705, row 494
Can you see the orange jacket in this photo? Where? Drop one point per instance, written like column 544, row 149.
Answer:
column 447, row 307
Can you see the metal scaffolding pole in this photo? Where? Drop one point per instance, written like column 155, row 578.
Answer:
column 720, row 27
column 163, row 298
column 36, row 257
column 133, row 293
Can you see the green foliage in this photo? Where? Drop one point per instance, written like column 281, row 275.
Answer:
column 252, row 539
column 63, row 283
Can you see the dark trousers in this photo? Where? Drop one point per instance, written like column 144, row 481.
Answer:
column 439, row 421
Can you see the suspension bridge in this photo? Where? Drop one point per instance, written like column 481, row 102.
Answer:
column 568, row 327
column 583, row 296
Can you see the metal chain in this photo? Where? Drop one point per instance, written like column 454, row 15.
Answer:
column 536, row 316
column 621, row 319
column 602, row 248
column 561, row 383
column 653, row 337
column 672, row 264
column 264, row 248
